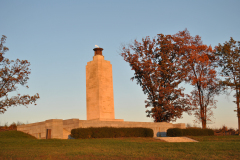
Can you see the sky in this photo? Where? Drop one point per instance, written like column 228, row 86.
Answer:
column 58, row 37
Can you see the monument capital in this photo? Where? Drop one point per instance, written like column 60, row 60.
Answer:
column 98, row 51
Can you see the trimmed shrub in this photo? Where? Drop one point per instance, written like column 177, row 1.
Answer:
column 110, row 132
column 210, row 132
column 173, row 132
column 197, row 132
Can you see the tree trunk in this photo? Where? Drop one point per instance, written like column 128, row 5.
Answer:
column 238, row 110
column 201, row 108
column 204, row 123
column 238, row 115
column 203, row 117
column 238, row 122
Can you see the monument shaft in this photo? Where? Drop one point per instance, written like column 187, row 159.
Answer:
column 99, row 88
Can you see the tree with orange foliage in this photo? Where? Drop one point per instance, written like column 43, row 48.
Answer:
column 13, row 73
column 161, row 64
column 203, row 77
column 159, row 69
column 229, row 62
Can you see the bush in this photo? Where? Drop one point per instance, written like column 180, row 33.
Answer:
column 210, row 132
column 197, row 132
column 176, row 132
column 110, row 132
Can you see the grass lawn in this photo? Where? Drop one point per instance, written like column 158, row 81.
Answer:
column 18, row 145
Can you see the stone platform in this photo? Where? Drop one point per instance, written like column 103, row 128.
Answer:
column 176, row 139
column 61, row 129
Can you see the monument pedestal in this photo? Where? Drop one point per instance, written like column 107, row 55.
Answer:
column 101, row 119
column 61, row 129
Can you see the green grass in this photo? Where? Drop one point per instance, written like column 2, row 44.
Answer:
column 18, row 145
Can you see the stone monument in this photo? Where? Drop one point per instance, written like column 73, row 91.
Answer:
column 99, row 88
column 100, row 107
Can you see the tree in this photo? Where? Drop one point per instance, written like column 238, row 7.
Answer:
column 229, row 54
column 159, row 69
column 13, row 73
column 203, row 77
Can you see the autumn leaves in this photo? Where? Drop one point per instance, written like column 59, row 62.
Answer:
column 13, row 73
column 163, row 63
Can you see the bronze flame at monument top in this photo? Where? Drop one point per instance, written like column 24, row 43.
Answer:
column 98, row 51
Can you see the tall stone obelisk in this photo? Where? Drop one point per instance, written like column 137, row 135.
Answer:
column 99, row 88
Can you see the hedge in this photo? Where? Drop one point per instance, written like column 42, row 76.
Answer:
column 176, row 132
column 110, row 132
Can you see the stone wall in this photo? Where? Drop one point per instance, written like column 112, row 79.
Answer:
column 61, row 129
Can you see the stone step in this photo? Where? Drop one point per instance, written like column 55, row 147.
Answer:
column 176, row 139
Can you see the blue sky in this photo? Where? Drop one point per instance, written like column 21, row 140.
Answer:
column 58, row 38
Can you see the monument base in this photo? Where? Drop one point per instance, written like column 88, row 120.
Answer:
column 61, row 129
column 102, row 119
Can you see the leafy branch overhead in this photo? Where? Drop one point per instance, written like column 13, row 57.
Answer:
column 13, row 73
